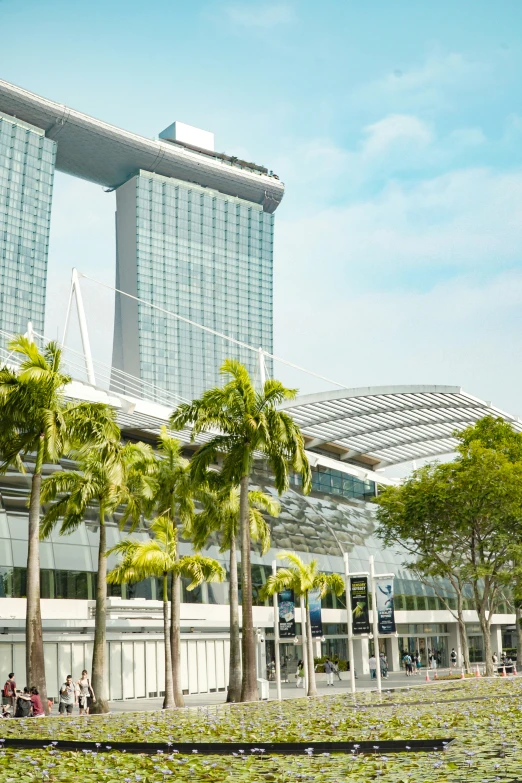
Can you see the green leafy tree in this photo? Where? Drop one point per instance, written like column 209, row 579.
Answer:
column 108, row 478
column 249, row 423
column 220, row 514
column 158, row 557
column 417, row 517
column 37, row 423
column 461, row 520
column 302, row 578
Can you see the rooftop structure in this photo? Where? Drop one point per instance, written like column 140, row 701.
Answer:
column 102, row 153
column 194, row 238
column 389, row 425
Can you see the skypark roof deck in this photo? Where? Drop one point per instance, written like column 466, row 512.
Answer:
column 106, row 155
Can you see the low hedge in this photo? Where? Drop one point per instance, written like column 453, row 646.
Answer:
column 343, row 665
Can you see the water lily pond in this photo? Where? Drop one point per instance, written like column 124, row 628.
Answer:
column 485, row 717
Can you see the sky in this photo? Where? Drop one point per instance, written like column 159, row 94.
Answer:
column 396, row 128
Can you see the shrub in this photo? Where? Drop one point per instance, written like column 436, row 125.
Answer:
column 343, row 665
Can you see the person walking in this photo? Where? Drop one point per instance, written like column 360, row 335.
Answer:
column 36, row 702
column 407, row 663
column 453, row 658
column 85, row 693
column 418, row 663
column 67, row 696
column 9, row 693
column 372, row 663
column 384, row 665
column 300, row 674
column 337, row 673
column 329, row 671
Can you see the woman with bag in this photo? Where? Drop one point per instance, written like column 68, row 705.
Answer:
column 85, row 693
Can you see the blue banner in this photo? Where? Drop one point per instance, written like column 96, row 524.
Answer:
column 385, row 608
column 314, row 604
column 286, row 605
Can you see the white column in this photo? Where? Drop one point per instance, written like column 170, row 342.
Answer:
column 361, row 655
column 496, row 640
column 392, row 649
column 455, row 643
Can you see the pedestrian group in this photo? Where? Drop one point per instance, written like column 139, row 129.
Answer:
column 28, row 704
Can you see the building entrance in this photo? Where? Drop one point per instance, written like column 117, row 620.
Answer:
column 428, row 647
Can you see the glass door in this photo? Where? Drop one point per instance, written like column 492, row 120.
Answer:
column 422, row 650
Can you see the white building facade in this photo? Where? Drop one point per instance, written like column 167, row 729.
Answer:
column 373, row 428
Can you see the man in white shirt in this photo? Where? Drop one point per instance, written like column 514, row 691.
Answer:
column 373, row 667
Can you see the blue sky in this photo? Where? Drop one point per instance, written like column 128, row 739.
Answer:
column 396, row 127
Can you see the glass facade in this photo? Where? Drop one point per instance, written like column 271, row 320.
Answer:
column 200, row 254
column 314, row 526
column 27, row 161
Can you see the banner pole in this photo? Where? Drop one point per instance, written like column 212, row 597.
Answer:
column 304, row 643
column 276, row 635
column 349, row 619
column 375, row 625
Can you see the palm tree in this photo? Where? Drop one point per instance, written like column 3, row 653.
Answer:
column 220, row 515
column 109, row 477
column 301, row 578
column 158, row 557
column 173, row 498
column 249, row 423
column 37, row 422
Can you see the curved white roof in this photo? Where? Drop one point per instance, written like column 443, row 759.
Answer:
column 390, row 424
column 109, row 156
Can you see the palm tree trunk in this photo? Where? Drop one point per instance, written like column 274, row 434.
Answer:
column 34, row 649
column 312, row 688
column 175, row 641
column 99, row 653
column 168, row 701
column 248, row 681
column 234, row 671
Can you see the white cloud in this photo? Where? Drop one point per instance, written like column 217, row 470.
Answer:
column 461, row 332
column 420, row 284
column 430, row 86
column 396, row 128
column 260, row 15
column 397, row 142
column 464, row 219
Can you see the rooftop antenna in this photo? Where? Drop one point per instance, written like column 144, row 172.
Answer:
column 76, row 292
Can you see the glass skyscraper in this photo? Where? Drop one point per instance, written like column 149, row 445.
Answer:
column 198, row 253
column 194, row 234
column 27, row 160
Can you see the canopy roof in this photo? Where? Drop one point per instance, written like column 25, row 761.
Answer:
column 388, row 425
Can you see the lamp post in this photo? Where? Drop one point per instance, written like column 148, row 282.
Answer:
column 303, row 639
column 375, row 625
column 275, row 599
column 349, row 620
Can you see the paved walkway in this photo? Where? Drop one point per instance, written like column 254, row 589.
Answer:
column 288, row 691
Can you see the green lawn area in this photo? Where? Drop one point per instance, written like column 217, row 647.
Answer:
column 484, row 716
